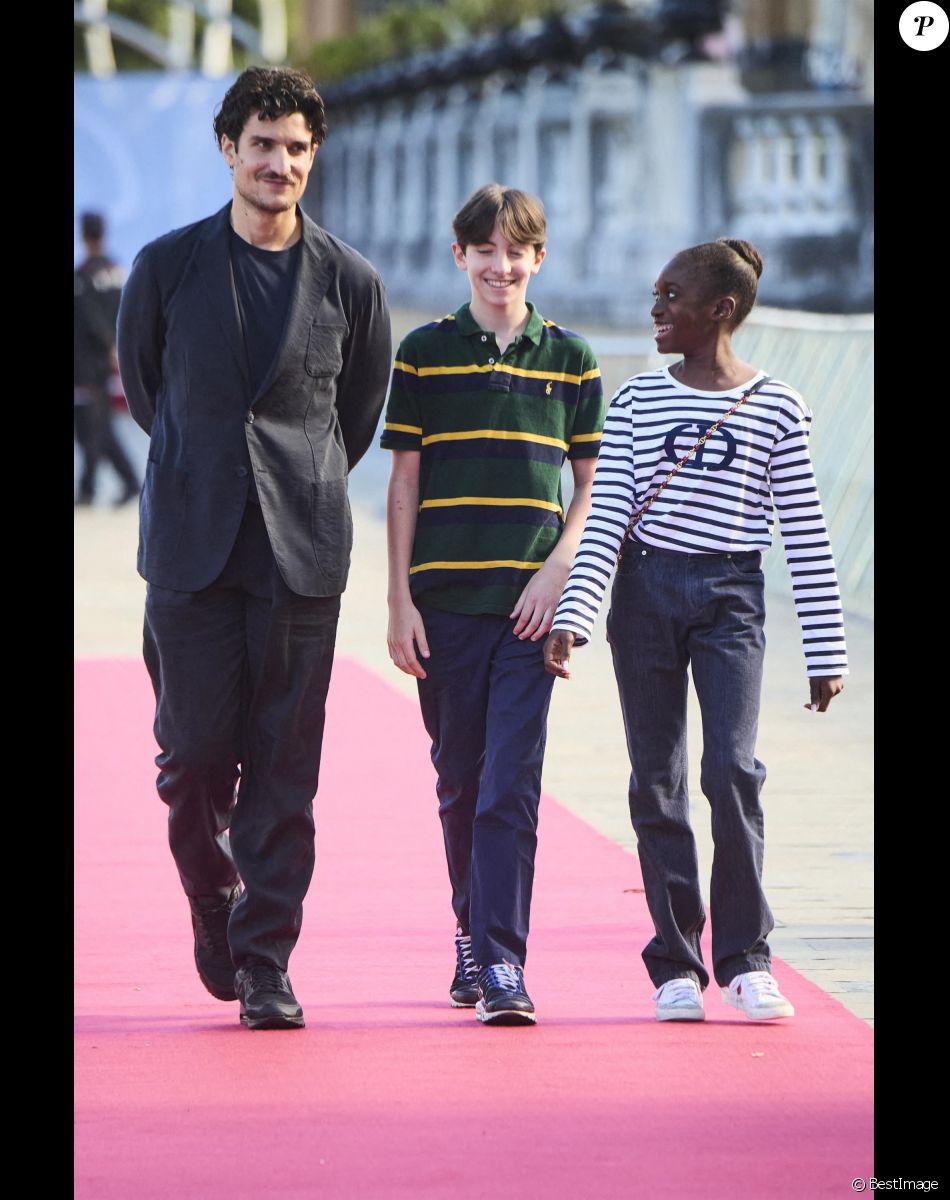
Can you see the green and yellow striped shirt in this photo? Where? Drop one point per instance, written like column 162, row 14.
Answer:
column 493, row 431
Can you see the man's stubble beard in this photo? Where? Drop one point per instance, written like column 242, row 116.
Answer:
column 275, row 205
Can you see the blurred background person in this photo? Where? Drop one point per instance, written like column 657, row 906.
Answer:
column 97, row 289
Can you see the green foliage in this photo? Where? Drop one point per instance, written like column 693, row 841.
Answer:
column 409, row 29
column 404, row 29
column 487, row 16
column 401, row 29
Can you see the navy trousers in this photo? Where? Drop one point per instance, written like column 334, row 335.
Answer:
column 485, row 705
column 241, row 672
column 670, row 611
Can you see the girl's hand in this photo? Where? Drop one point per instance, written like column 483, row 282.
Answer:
column 823, row 689
column 557, row 652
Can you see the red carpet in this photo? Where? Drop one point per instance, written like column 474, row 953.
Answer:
column 389, row 1092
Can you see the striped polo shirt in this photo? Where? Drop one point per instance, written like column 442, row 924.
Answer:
column 493, row 430
column 724, row 499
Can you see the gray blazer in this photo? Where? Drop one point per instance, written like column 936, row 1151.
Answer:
column 184, row 372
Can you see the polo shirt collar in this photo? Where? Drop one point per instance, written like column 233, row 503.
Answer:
column 467, row 325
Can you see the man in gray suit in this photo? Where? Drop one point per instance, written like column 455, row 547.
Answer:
column 255, row 351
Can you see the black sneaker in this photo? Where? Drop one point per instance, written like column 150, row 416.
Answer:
column 502, row 999
column 464, row 989
column 267, row 1001
column 209, row 920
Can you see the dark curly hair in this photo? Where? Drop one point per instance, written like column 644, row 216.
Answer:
column 729, row 267
column 269, row 93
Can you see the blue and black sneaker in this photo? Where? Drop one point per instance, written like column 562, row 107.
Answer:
column 502, row 999
column 464, row 989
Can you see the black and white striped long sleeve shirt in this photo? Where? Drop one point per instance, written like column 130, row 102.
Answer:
column 724, row 499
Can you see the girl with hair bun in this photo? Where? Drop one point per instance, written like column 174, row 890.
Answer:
column 696, row 460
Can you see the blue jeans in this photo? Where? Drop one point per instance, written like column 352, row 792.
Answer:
column 485, row 706
column 670, row 610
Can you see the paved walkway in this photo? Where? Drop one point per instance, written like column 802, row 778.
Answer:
column 818, row 797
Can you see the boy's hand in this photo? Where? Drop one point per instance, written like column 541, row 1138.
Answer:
column 406, row 633
column 557, row 652
column 823, row 689
column 538, row 602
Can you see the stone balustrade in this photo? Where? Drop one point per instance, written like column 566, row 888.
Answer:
column 633, row 158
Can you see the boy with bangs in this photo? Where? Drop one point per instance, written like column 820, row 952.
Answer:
column 484, row 407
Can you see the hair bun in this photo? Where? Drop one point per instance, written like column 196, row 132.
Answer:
column 746, row 251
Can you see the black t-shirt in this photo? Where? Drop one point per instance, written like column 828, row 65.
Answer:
column 265, row 282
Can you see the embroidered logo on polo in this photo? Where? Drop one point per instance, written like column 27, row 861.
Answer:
column 711, row 455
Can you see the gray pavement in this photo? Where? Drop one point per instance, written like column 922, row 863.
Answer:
column 818, row 796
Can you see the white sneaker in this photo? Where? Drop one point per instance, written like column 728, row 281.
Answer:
column 756, row 994
column 679, row 1000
